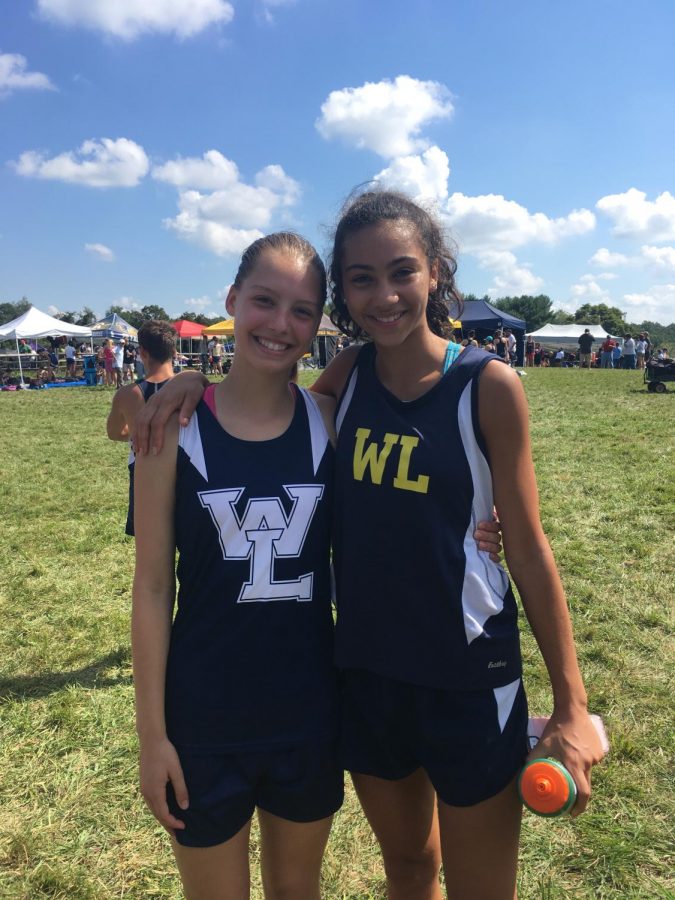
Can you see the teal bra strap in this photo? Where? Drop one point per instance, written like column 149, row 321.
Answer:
column 451, row 355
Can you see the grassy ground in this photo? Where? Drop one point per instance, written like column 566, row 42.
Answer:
column 73, row 825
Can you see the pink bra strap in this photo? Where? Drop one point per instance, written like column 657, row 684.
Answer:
column 209, row 398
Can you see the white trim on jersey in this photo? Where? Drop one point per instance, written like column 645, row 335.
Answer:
column 317, row 428
column 485, row 582
column 346, row 400
column 190, row 439
column 505, row 697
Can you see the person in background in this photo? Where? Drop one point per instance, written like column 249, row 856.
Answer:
column 511, row 344
column 648, row 346
column 501, row 345
column 157, row 341
column 640, row 348
column 488, row 344
column 70, row 360
column 118, row 362
column 629, row 352
column 607, row 353
column 585, row 349
column 559, row 359
column 617, row 353
column 217, row 353
column 128, row 360
column 529, row 351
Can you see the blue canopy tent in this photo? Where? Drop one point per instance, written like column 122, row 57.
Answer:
column 483, row 318
column 115, row 327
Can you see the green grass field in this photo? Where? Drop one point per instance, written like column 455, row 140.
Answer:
column 73, row 825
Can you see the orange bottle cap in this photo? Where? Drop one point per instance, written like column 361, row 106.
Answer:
column 545, row 787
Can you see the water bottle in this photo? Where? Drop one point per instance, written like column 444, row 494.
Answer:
column 547, row 788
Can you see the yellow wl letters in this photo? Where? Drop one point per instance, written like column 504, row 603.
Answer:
column 373, row 458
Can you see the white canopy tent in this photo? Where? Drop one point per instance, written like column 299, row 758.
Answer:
column 36, row 324
column 567, row 334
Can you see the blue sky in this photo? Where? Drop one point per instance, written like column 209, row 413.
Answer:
column 144, row 143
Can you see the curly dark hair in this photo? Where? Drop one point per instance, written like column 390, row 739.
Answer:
column 373, row 207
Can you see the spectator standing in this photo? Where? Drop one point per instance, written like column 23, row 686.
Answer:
column 511, row 346
column 501, row 345
column 529, row 351
column 628, row 352
column 488, row 344
column 118, row 362
column 616, row 355
column 648, row 347
column 585, row 349
column 640, row 350
column 128, row 363
column 606, row 353
column 217, row 353
column 70, row 360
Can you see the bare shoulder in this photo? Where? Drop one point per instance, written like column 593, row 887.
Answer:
column 502, row 405
column 332, row 380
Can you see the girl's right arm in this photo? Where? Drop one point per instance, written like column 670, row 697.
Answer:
column 153, row 599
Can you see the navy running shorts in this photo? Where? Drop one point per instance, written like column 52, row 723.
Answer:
column 303, row 783
column 470, row 743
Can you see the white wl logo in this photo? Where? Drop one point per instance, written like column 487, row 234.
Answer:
column 263, row 534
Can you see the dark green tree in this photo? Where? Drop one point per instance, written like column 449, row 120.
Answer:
column 536, row 311
column 612, row 319
column 9, row 311
column 86, row 317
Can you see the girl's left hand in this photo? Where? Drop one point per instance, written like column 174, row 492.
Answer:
column 488, row 535
column 571, row 738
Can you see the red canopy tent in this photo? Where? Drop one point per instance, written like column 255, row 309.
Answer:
column 186, row 329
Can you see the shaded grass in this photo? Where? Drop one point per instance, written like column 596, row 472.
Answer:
column 73, row 825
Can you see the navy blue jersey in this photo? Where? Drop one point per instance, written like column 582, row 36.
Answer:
column 148, row 389
column 417, row 600
column 250, row 660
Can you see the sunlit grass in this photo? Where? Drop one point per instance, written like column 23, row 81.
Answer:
column 73, row 825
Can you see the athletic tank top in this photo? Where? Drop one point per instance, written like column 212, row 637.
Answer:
column 148, row 388
column 250, row 663
column 417, row 600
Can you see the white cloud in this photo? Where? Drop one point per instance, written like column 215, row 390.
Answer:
column 511, row 277
column 635, row 216
column 492, row 222
column 587, row 290
column 53, row 310
column 210, row 173
column 424, row 177
column 104, row 163
column 101, row 251
column 127, row 19
column 606, row 259
column 386, row 116
column 15, row 77
column 128, row 303
column 267, row 7
column 657, row 304
column 227, row 221
column 659, row 258
column 199, row 303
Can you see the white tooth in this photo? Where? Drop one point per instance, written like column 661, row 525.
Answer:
column 271, row 346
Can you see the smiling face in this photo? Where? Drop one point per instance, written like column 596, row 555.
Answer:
column 387, row 280
column 276, row 311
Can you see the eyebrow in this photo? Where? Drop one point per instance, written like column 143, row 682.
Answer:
column 394, row 262
column 269, row 290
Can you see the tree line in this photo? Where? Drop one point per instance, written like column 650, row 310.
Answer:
column 536, row 311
